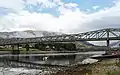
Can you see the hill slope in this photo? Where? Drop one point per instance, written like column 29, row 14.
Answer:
column 30, row 34
column 27, row 34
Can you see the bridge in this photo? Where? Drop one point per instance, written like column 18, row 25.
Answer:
column 97, row 35
column 57, row 54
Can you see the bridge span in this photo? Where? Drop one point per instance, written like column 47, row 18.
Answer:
column 97, row 35
column 58, row 54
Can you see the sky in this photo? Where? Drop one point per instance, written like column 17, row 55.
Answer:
column 67, row 16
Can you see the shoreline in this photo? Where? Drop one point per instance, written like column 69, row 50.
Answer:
column 99, row 68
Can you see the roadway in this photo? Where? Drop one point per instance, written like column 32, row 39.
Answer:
column 57, row 54
column 97, row 35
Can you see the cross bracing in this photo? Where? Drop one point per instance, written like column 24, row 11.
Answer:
column 97, row 35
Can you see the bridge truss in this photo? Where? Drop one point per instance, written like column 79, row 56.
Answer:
column 97, row 35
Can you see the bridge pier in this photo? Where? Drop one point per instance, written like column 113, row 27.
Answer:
column 108, row 43
column 27, row 47
column 15, row 51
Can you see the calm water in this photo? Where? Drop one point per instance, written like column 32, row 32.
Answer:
column 6, row 69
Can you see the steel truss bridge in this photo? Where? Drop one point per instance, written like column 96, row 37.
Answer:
column 97, row 35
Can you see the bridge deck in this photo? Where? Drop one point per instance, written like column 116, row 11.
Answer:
column 98, row 35
column 57, row 54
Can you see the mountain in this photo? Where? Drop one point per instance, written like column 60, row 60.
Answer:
column 88, row 43
column 27, row 34
column 83, row 44
column 115, row 44
column 31, row 33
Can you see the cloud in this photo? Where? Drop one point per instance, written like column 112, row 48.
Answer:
column 19, row 5
column 5, row 11
column 70, row 7
column 45, row 21
column 95, row 7
column 44, row 3
column 70, row 20
column 105, row 18
column 16, row 5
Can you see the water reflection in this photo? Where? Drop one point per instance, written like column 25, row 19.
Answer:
column 53, row 60
column 50, row 60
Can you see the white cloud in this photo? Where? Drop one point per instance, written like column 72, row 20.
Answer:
column 45, row 3
column 95, row 7
column 16, row 5
column 6, row 23
column 71, row 19
column 106, row 18
column 70, row 7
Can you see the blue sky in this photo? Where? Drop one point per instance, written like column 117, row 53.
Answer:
column 83, row 5
column 88, row 4
column 69, row 16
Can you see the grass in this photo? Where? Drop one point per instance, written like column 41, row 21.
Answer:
column 21, row 49
column 114, row 73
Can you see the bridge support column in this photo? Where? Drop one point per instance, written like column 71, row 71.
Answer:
column 108, row 43
column 27, row 47
column 15, row 51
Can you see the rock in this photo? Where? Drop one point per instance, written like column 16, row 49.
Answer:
column 89, row 61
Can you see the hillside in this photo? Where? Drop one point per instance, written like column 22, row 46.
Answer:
column 27, row 34
column 30, row 34
column 115, row 44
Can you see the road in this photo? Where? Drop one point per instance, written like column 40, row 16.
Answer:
column 58, row 54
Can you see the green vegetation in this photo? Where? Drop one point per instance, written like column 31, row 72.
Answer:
column 113, row 73
column 21, row 49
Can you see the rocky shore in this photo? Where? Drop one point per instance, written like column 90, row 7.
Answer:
column 104, row 67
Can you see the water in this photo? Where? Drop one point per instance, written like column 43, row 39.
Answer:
column 14, row 68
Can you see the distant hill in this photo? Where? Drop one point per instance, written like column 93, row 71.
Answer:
column 88, row 44
column 31, row 33
column 27, row 34
column 83, row 44
column 115, row 44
